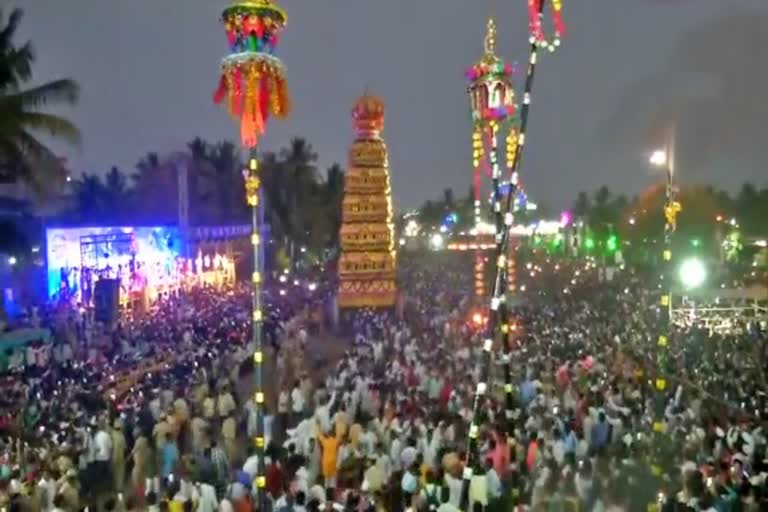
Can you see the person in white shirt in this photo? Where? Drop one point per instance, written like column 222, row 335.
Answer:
column 226, row 506
column 225, row 403
column 396, row 450
column 282, row 403
column 156, row 407
column 251, row 465
column 297, row 403
column 494, row 482
column 103, row 446
column 301, row 480
column 303, row 338
column 207, row 501
column 323, row 413
column 478, row 489
column 102, row 455
column 47, row 488
column 447, row 507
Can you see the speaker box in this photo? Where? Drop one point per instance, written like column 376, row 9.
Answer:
column 106, row 299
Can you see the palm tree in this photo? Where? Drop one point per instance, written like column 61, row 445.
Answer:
column 602, row 197
column 751, row 211
column 116, row 184
column 155, row 191
column 22, row 155
column 226, row 183
column 275, row 196
column 333, row 194
column 90, row 198
column 300, row 179
column 582, row 206
column 116, row 193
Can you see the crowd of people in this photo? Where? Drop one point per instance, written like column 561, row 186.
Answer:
column 386, row 427
column 390, row 426
column 111, row 414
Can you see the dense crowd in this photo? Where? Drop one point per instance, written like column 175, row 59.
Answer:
column 109, row 414
column 386, row 429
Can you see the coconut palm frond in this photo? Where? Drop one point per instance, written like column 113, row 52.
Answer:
column 11, row 26
column 52, row 125
column 16, row 67
column 58, row 91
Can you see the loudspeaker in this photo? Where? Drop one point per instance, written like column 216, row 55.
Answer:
column 106, row 299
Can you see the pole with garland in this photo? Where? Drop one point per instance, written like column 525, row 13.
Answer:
column 504, row 249
column 253, row 87
column 499, row 324
column 492, row 100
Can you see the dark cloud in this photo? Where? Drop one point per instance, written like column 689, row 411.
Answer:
column 712, row 87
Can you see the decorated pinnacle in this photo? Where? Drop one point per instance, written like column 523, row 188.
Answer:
column 490, row 38
column 368, row 115
column 490, row 86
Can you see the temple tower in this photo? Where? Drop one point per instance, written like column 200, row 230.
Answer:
column 367, row 264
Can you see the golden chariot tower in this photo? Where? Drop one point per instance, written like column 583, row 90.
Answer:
column 368, row 259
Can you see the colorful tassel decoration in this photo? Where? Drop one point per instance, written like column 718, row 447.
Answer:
column 252, row 80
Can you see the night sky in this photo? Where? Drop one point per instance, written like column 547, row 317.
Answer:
column 148, row 69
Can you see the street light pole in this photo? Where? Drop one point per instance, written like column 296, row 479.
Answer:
column 665, row 158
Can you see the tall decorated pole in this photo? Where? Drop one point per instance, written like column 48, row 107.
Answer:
column 492, row 101
column 499, row 325
column 253, row 87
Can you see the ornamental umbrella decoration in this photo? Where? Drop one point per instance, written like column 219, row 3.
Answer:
column 253, row 82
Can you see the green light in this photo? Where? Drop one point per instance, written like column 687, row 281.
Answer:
column 589, row 243
column 696, row 242
column 612, row 244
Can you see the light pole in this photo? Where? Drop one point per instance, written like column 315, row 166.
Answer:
column 664, row 158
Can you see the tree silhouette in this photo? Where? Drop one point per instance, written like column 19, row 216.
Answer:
column 23, row 156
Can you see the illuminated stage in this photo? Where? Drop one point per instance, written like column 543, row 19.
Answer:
column 148, row 261
column 139, row 257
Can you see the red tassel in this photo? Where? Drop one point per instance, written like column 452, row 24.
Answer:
column 247, row 27
column 559, row 25
column 248, row 132
column 231, row 37
column 534, row 23
column 258, row 123
column 274, row 40
column 221, row 90
column 237, row 95
column 486, row 161
column 264, row 98
column 259, row 28
column 251, row 127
